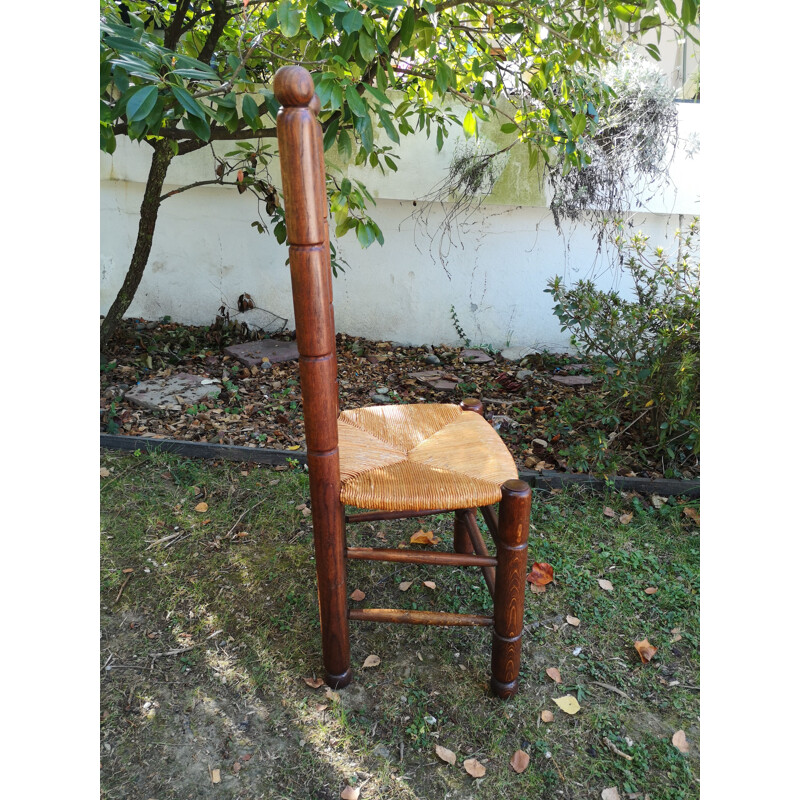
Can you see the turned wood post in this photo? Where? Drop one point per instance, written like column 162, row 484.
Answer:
column 305, row 202
column 509, row 598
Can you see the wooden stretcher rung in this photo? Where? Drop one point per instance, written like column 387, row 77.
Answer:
column 400, row 615
column 420, row 557
column 489, row 573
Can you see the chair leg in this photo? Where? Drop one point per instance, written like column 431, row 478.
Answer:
column 461, row 541
column 329, row 549
column 509, row 598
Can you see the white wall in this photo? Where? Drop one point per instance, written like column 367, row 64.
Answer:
column 205, row 252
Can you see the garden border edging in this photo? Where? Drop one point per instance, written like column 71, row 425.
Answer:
column 544, row 479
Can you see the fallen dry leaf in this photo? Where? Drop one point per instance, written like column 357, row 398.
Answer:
column 553, row 674
column 429, row 584
column 609, row 512
column 537, row 589
column 645, row 650
column 201, row 507
column 547, row 715
column 371, row 661
column 567, row 703
column 540, row 574
column 405, row 586
column 610, row 794
column 650, row 590
column 446, row 755
column 321, row 706
column 692, row 514
column 676, row 635
column 519, row 761
column 657, row 500
column 424, row 537
column 626, row 517
column 237, row 765
column 474, row 768
column 104, row 473
column 350, row 793
column 679, row 740
column 357, row 595
column 574, row 621
column 314, row 683
column 331, row 695
column 605, row 585
column 215, row 776
column 127, row 570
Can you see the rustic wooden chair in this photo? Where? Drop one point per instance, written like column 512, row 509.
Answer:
column 400, row 460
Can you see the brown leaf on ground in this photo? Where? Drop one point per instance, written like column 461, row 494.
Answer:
column 609, row 512
column 547, row 715
column 474, row 768
column 371, row 661
column 314, row 683
column 519, row 761
column 574, row 621
column 679, row 740
column 605, row 585
column 553, row 674
column 350, row 793
column 424, row 537
column 215, row 776
column 104, row 473
column 429, row 584
column 676, row 635
column 657, row 500
column 626, row 517
column 541, row 574
column 693, row 515
column 645, row 650
column 610, row 794
column 357, row 595
column 201, row 507
column 405, row 586
column 650, row 590
column 446, row 755
column 537, row 589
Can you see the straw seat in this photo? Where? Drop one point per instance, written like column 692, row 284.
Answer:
column 410, row 457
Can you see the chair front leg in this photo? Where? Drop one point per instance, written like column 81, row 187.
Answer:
column 509, row 598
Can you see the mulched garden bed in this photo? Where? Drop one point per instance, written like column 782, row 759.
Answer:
column 261, row 406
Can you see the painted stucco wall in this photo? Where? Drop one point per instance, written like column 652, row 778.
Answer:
column 492, row 266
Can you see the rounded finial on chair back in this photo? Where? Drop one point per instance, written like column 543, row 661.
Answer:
column 294, row 86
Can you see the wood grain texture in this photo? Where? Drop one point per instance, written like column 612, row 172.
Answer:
column 509, row 600
column 461, row 540
column 479, row 546
column 401, row 615
column 305, row 201
column 420, row 557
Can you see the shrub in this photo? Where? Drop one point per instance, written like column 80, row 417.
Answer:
column 649, row 350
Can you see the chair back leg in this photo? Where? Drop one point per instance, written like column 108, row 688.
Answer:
column 509, row 598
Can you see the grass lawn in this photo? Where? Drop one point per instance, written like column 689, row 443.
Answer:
column 209, row 628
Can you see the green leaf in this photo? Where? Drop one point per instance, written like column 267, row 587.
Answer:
column 652, row 21
column 366, row 46
column 289, row 19
column 198, row 126
column 364, row 128
column 352, row 21
column 388, row 126
column 314, row 22
column 364, row 234
column 142, row 103
column 355, row 101
column 377, row 94
column 470, row 124
column 329, row 136
column 508, row 127
column 513, row 27
column 407, row 26
column 250, row 112
column 345, row 146
column 188, row 102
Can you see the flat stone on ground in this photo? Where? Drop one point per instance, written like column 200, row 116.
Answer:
column 182, row 389
column 476, row 357
column 252, row 354
column 572, row 380
column 436, row 379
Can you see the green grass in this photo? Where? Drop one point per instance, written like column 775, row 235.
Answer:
column 255, row 596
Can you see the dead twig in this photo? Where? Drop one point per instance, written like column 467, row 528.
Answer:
column 229, row 534
column 611, row 688
column 178, row 650
column 614, row 749
column 122, row 588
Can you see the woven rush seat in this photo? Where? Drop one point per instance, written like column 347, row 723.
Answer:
column 404, row 457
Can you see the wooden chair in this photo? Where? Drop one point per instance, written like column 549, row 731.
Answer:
column 400, row 460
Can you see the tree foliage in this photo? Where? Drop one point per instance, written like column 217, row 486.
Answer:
column 181, row 75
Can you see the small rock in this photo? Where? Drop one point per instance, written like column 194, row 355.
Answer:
column 476, row 357
column 252, row 354
column 524, row 373
column 572, row 380
column 382, row 751
column 380, row 398
column 433, row 359
column 382, row 390
column 428, row 348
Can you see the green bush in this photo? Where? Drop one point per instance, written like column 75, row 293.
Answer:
column 649, row 351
